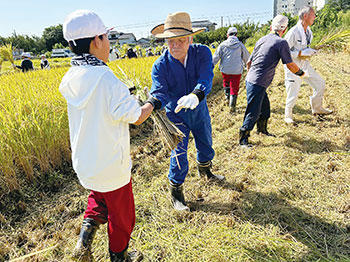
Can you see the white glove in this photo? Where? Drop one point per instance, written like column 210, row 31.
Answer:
column 190, row 101
column 308, row 52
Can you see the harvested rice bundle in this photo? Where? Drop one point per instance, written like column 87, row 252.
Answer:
column 6, row 53
column 168, row 132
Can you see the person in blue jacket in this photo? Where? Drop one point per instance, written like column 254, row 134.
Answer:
column 181, row 80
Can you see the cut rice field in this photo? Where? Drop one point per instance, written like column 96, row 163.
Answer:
column 286, row 199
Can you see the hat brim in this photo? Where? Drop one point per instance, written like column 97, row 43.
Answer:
column 109, row 29
column 158, row 32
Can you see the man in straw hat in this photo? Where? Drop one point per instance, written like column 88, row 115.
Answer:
column 261, row 67
column 299, row 38
column 100, row 109
column 181, row 80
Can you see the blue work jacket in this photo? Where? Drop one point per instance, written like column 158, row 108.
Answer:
column 171, row 80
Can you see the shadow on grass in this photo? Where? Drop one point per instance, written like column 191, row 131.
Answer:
column 296, row 110
column 311, row 145
column 325, row 241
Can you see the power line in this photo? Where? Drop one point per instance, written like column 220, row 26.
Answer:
column 235, row 17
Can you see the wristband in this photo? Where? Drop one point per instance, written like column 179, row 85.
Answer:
column 154, row 102
column 199, row 93
column 300, row 72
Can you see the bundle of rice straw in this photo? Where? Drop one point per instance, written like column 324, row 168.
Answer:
column 6, row 53
column 168, row 132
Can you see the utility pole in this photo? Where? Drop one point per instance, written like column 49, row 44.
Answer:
column 222, row 21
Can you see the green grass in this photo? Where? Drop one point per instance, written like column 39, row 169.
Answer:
column 286, row 199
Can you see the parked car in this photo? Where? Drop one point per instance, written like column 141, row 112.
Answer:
column 61, row 53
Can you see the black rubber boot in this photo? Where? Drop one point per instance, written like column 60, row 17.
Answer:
column 243, row 137
column 204, row 170
column 227, row 92
column 232, row 103
column 177, row 197
column 86, row 236
column 262, row 128
column 133, row 256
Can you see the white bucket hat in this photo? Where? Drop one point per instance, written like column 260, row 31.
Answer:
column 176, row 25
column 26, row 54
column 280, row 22
column 83, row 24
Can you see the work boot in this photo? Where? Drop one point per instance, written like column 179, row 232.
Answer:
column 86, row 236
column 227, row 92
column 262, row 127
column 133, row 256
column 232, row 103
column 243, row 137
column 177, row 197
column 204, row 170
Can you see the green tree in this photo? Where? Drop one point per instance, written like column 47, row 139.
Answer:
column 339, row 5
column 53, row 35
column 58, row 46
column 244, row 31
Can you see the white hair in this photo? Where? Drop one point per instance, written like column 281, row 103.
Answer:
column 305, row 10
column 280, row 22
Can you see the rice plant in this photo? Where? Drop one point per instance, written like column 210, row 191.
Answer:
column 336, row 41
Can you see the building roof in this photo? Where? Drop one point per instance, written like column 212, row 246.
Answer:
column 126, row 36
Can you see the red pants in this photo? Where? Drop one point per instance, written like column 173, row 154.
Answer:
column 118, row 209
column 231, row 81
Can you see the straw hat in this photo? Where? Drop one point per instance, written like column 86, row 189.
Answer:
column 176, row 25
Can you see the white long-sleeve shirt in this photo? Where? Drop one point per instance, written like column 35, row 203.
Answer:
column 100, row 109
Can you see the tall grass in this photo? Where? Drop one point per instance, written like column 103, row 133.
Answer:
column 338, row 40
column 33, row 125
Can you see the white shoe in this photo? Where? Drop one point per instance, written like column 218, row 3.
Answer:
column 288, row 120
column 322, row 111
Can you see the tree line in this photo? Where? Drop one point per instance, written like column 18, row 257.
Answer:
column 52, row 36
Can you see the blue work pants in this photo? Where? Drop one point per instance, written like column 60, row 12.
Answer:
column 201, row 131
column 258, row 105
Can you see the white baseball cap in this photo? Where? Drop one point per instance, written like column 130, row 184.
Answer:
column 83, row 24
column 232, row 30
column 280, row 22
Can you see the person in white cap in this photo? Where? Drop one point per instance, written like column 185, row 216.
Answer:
column 299, row 38
column 233, row 56
column 44, row 63
column 26, row 64
column 100, row 109
column 261, row 67
column 181, row 79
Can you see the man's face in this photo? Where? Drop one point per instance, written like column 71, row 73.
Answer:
column 178, row 47
column 310, row 18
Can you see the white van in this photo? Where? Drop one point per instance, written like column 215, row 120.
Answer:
column 61, row 53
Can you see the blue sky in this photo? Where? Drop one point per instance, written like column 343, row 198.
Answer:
column 137, row 16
